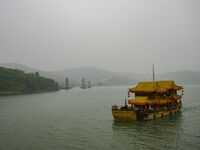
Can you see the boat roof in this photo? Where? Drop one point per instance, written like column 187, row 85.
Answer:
column 139, row 101
column 155, row 87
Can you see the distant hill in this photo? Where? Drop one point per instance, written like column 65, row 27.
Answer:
column 96, row 76
column 89, row 73
column 182, row 77
column 103, row 77
column 117, row 80
column 13, row 81
column 28, row 69
column 20, row 67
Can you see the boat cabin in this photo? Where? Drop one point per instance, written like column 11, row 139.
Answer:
column 155, row 93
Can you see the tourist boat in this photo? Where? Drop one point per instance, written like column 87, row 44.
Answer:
column 152, row 100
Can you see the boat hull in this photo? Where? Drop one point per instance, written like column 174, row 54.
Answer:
column 126, row 115
column 123, row 115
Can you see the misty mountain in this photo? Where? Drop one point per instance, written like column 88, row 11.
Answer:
column 96, row 76
column 182, row 77
column 28, row 69
column 103, row 77
column 89, row 73
column 20, row 67
column 117, row 80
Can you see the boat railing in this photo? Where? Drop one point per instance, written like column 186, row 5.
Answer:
column 115, row 107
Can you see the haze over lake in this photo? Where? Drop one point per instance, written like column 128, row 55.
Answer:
column 115, row 35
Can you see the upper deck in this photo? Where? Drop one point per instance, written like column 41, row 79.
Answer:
column 155, row 87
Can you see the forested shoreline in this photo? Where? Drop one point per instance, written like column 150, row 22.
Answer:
column 13, row 81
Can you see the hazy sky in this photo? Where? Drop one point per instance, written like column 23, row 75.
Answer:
column 116, row 35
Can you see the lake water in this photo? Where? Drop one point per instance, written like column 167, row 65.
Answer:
column 82, row 120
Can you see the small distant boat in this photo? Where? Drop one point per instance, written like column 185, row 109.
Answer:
column 152, row 100
column 67, row 85
column 89, row 84
column 83, row 85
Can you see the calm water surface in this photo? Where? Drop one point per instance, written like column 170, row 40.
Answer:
column 82, row 119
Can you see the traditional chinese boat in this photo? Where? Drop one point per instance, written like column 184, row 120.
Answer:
column 151, row 100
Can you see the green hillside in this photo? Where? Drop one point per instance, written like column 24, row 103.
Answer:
column 14, row 81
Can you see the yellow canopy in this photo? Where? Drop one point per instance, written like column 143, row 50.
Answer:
column 145, row 87
column 176, row 97
column 158, row 86
column 169, row 85
column 139, row 101
column 176, row 87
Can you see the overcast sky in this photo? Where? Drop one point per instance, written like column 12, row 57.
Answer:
column 116, row 35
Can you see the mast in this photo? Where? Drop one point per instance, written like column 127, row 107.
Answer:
column 67, row 83
column 153, row 73
column 125, row 102
column 83, row 86
column 89, row 84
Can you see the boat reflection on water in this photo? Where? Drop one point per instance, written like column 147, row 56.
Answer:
column 161, row 133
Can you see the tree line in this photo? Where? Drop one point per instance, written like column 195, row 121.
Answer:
column 13, row 81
